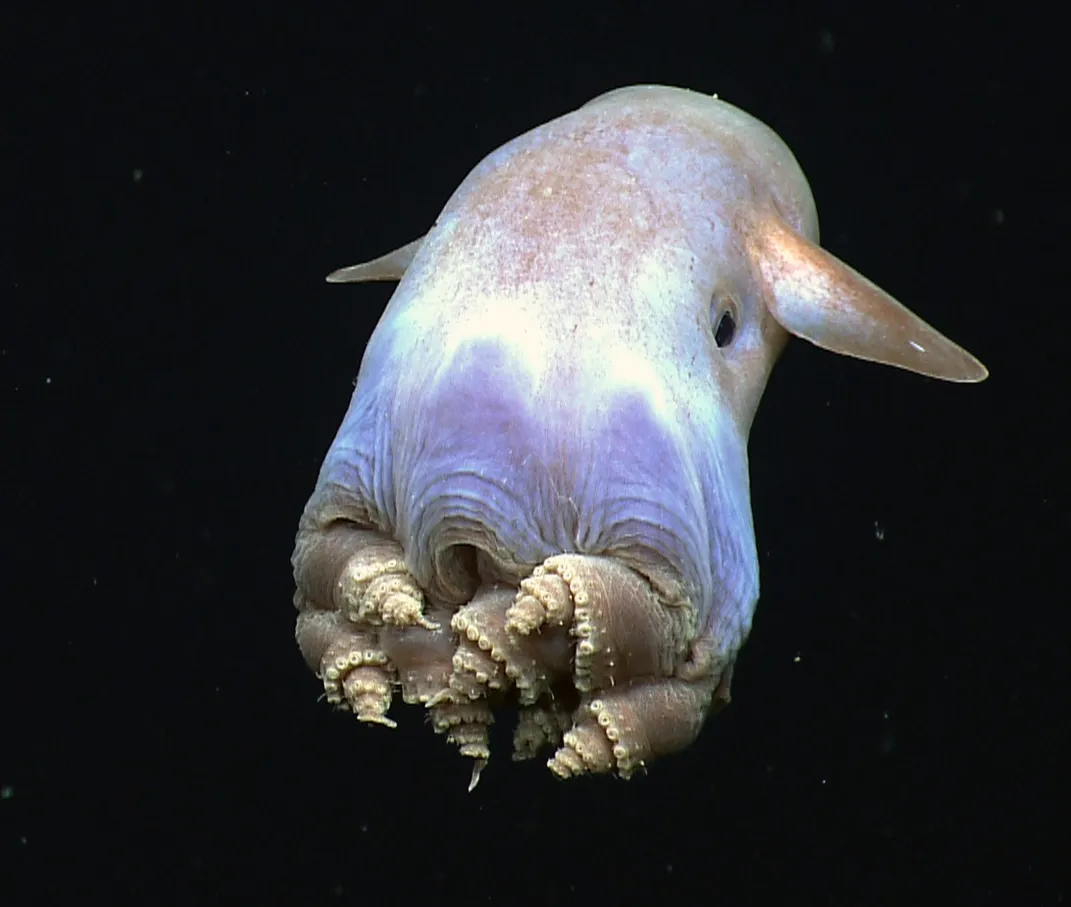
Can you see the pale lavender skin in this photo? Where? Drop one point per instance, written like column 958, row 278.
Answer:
column 541, row 484
column 533, row 397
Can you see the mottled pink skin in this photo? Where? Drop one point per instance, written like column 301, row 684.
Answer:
column 545, row 378
column 540, row 488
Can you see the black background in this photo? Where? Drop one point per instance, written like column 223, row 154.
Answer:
column 173, row 368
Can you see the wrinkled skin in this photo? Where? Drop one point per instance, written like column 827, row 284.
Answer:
column 539, row 493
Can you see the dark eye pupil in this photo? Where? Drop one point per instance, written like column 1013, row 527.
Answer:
column 725, row 329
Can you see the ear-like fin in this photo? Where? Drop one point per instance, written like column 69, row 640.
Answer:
column 387, row 267
column 814, row 295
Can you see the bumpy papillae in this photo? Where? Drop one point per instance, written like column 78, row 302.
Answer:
column 588, row 621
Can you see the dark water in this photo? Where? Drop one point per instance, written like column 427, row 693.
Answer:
column 173, row 368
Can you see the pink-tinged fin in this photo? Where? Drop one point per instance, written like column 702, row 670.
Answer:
column 814, row 295
column 387, row 267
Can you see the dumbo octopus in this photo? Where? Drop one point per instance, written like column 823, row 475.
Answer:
column 539, row 496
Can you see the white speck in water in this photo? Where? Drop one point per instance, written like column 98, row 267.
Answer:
column 918, row 346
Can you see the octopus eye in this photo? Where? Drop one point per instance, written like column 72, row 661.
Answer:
column 724, row 321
